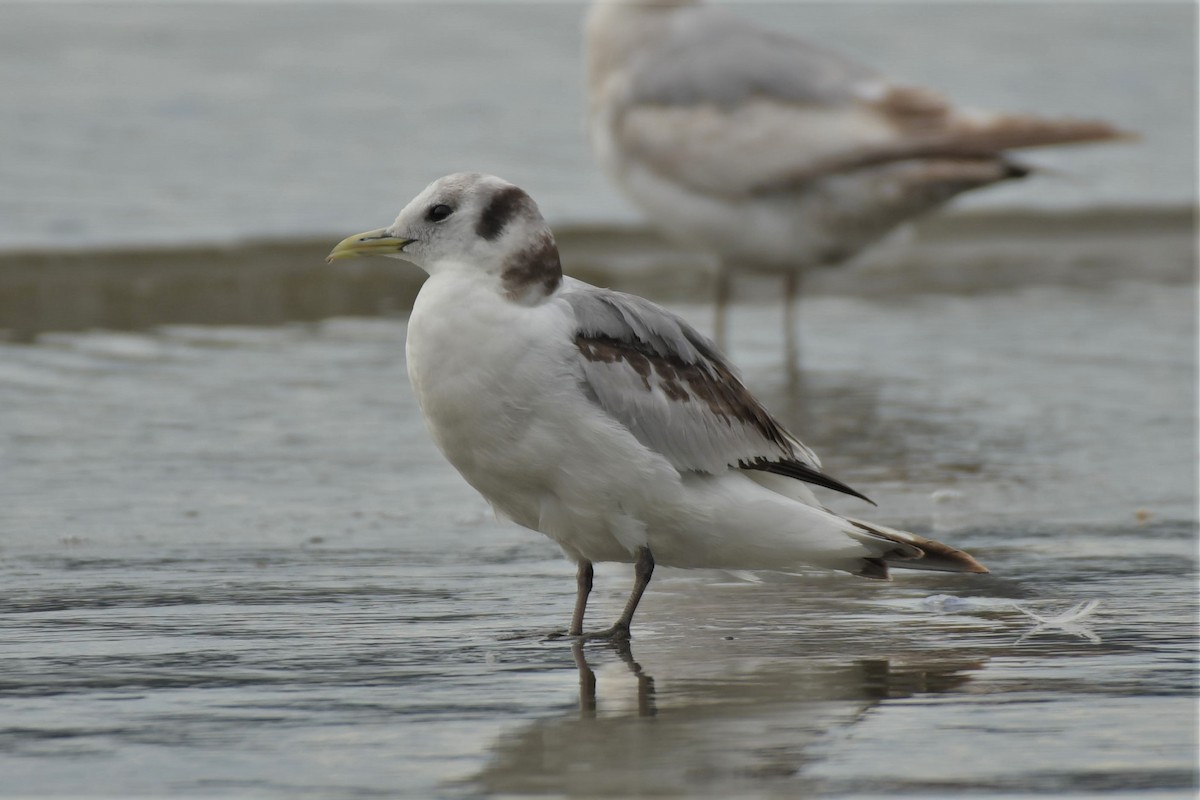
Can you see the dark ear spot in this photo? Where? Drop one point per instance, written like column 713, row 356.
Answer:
column 504, row 205
column 534, row 272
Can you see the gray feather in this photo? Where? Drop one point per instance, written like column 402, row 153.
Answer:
column 673, row 390
column 713, row 56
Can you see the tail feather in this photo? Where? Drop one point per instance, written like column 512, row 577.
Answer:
column 993, row 133
column 909, row 551
column 969, row 137
column 921, row 116
column 962, row 136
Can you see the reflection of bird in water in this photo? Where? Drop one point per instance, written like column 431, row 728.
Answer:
column 723, row 723
column 774, row 154
column 601, row 419
column 587, row 680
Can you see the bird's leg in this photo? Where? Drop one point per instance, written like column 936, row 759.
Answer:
column 642, row 570
column 791, row 341
column 720, row 323
column 583, row 588
column 583, row 579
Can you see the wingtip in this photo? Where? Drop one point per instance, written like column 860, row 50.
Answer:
column 1025, row 130
column 838, row 486
column 957, row 560
column 800, row 471
column 1104, row 132
column 974, row 567
column 921, row 553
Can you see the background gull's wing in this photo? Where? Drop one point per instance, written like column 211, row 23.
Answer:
column 669, row 386
column 711, row 56
column 726, row 108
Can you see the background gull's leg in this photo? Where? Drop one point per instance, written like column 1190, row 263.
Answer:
column 791, row 336
column 721, row 321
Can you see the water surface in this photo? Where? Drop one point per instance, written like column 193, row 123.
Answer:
column 235, row 565
column 170, row 123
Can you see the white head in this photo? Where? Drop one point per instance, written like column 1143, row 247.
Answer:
column 475, row 222
column 617, row 31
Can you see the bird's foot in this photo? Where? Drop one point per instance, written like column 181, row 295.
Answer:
column 540, row 635
column 617, row 633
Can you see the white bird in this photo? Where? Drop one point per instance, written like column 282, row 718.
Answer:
column 601, row 419
column 774, row 154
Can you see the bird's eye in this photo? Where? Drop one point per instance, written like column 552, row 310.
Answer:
column 439, row 212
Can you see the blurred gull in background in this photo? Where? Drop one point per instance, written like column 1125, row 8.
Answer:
column 774, row 154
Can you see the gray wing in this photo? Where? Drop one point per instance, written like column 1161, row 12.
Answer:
column 669, row 386
column 726, row 108
column 715, row 57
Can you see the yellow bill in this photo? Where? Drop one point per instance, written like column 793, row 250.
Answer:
column 371, row 243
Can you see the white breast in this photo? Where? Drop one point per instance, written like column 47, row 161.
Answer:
column 499, row 386
column 482, row 368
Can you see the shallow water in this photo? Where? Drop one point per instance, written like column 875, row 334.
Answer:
column 170, row 123
column 235, row 565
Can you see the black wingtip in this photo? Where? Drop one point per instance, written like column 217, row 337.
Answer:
column 803, row 472
column 1016, row 170
column 838, row 486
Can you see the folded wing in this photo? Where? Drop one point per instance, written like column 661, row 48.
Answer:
column 726, row 108
column 669, row 386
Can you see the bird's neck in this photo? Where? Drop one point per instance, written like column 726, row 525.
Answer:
column 533, row 273
column 528, row 275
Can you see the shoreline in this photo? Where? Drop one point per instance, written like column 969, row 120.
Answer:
column 270, row 283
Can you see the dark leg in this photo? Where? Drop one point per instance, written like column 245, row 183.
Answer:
column 720, row 325
column 583, row 579
column 642, row 570
column 583, row 588
column 791, row 342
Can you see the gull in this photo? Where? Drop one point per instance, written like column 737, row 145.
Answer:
column 776, row 155
column 600, row 419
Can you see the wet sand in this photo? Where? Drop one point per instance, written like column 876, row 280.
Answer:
column 266, row 283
